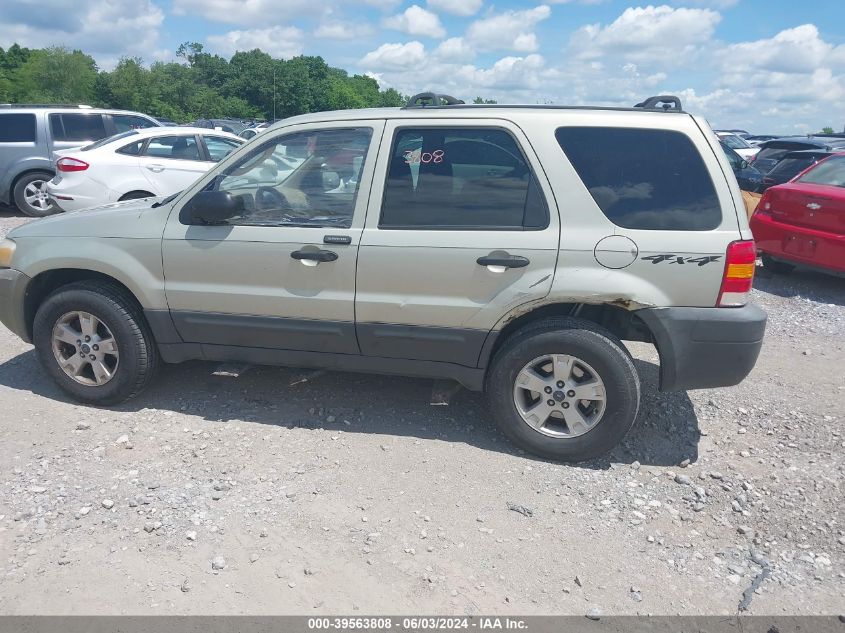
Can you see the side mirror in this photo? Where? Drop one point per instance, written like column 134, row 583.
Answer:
column 331, row 180
column 211, row 207
column 743, row 164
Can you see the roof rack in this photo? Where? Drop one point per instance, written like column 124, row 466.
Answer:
column 46, row 105
column 667, row 103
column 427, row 99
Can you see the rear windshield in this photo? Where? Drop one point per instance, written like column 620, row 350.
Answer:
column 105, row 141
column 789, row 167
column 644, row 179
column 734, row 142
column 779, row 148
column 17, row 128
column 830, row 172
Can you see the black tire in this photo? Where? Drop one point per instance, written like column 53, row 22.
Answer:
column 593, row 345
column 135, row 195
column 775, row 266
column 110, row 303
column 19, row 195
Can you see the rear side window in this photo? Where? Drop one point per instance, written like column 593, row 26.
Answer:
column 644, row 179
column 831, row 172
column 126, row 122
column 133, row 149
column 460, row 178
column 77, row 127
column 17, row 128
column 177, row 147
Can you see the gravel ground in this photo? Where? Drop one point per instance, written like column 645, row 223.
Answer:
column 289, row 491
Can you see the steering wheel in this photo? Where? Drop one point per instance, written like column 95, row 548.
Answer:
column 269, row 198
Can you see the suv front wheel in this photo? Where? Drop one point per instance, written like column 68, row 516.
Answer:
column 93, row 340
column 564, row 389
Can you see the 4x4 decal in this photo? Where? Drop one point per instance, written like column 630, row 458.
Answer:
column 679, row 259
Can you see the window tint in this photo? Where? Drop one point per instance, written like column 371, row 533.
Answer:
column 830, row 172
column 789, row 167
column 734, row 142
column 106, row 141
column 132, row 149
column 125, row 122
column 219, row 147
column 176, row 147
column 301, row 179
column 460, row 178
column 644, row 179
column 733, row 158
column 17, row 128
column 77, row 127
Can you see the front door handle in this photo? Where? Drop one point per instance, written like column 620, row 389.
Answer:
column 503, row 261
column 155, row 168
column 314, row 256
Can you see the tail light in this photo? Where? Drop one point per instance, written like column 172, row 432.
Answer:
column 738, row 277
column 71, row 164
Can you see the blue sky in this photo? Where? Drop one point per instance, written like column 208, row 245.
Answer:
column 770, row 66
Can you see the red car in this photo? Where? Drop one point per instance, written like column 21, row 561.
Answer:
column 803, row 221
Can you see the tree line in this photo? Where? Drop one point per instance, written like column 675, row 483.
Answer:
column 249, row 85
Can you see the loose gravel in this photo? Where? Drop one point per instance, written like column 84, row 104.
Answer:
column 289, row 491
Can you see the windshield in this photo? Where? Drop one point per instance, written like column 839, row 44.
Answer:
column 106, row 141
column 734, row 142
column 830, row 172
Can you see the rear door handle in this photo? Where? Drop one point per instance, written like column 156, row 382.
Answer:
column 314, row 256
column 504, row 261
column 156, row 168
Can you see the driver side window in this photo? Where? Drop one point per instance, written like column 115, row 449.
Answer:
column 300, row 179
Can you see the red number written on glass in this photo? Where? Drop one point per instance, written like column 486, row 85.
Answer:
column 417, row 157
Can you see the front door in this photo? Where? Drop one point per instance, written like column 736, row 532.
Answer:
column 461, row 229
column 281, row 275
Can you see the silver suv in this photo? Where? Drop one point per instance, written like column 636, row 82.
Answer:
column 509, row 248
column 29, row 134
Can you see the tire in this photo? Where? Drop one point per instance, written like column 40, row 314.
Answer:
column 595, row 351
column 33, row 184
column 775, row 266
column 135, row 195
column 136, row 361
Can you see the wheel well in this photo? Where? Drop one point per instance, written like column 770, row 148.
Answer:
column 623, row 323
column 15, row 180
column 146, row 194
column 43, row 285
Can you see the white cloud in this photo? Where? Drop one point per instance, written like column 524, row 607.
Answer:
column 454, row 49
column 133, row 26
column 456, row 7
column 394, row 56
column 510, row 30
column 416, row 21
column 651, row 34
column 796, row 50
column 342, row 30
column 278, row 41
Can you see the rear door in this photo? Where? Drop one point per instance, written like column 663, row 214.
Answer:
column 172, row 162
column 461, row 227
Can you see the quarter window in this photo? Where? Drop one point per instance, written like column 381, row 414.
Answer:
column 176, row 147
column 17, row 128
column 77, row 127
column 460, row 178
column 126, row 122
column 300, row 179
column 644, row 179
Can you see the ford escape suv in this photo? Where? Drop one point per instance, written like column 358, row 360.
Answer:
column 491, row 245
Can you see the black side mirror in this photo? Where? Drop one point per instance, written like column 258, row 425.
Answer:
column 743, row 164
column 211, row 207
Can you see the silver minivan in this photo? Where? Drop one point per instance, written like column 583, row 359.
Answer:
column 29, row 134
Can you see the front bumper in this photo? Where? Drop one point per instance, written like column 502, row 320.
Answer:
column 703, row 348
column 13, row 285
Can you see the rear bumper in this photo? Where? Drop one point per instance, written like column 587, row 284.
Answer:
column 703, row 348
column 13, row 285
column 798, row 244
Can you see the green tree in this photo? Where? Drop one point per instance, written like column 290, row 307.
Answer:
column 481, row 100
column 827, row 130
column 130, row 85
column 56, row 75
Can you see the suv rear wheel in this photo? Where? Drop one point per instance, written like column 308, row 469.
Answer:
column 30, row 194
column 564, row 389
column 94, row 342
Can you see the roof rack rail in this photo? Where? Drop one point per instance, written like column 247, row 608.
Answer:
column 46, row 105
column 427, row 99
column 667, row 103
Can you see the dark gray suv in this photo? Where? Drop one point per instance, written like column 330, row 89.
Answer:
column 29, row 134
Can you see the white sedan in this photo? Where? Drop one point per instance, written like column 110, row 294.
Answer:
column 738, row 144
column 136, row 164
